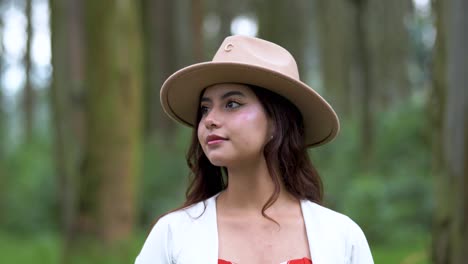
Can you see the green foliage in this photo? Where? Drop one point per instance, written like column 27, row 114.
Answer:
column 165, row 175
column 29, row 201
column 17, row 249
column 391, row 199
column 94, row 252
column 48, row 248
column 409, row 252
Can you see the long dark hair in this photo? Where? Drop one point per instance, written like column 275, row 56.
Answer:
column 286, row 157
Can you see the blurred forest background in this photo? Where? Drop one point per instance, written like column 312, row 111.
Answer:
column 88, row 160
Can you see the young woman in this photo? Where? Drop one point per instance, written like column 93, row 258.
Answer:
column 255, row 196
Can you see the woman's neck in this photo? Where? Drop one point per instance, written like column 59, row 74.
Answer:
column 250, row 187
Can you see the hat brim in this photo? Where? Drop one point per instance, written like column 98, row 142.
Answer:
column 181, row 91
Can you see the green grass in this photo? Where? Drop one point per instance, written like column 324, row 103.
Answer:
column 409, row 252
column 46, row 248
column 38, row 249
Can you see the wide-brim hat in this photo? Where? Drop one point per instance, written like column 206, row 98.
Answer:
column 248, row 60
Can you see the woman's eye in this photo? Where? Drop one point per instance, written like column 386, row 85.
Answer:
column 203, row 109
column 232, row 104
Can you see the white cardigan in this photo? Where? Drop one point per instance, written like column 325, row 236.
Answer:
column 189, row 237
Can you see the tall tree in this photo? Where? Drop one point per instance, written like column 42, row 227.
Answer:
column 67, row 110
column 381, row 57
column 160, row 44
column 364, row 54
column 167, row 56
column 389, row 49
column 336, row 41
column 197, row 30
column 114, row 82
column 364, row 62
column 28, row 93
column 274, row 19
column 226, row 12
column 346, row 62
column 450, row 111
column 149, row 28
column 2, row 129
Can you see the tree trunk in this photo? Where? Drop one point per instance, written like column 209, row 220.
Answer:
column 197, row 30
column 67, row 110
column 450, row 100
column 152, row 69
column 150, row 103
column 274, row 19
column 114, row 81
column 436, row 106
column 167, row 57
column 159, row 25
column 389, row 46
column 2, row 136
column 226, row 15
column 28, row 93
column 364, row 63
column 335, row 42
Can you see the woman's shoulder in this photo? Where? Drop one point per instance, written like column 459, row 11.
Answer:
column 186, row 215
column 328, row 219
column 194, row 213
column 325, row 212
column 177, row 231
column 338, row 234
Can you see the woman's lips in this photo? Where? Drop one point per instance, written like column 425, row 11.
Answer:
column 214, row 139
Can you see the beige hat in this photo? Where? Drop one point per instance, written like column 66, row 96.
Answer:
column 248, row 60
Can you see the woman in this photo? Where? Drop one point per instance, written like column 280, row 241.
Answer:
column 254, row 196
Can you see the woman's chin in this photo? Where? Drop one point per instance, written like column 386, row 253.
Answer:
column 219, row 161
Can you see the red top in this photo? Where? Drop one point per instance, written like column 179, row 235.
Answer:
column 293, row 261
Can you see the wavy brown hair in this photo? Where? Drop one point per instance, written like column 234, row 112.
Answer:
column 286, row 157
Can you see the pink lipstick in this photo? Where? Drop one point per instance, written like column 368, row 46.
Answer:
column 214, row 139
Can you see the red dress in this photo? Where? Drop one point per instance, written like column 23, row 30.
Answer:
column 293, row 261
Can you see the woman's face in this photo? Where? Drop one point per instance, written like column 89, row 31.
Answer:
column 234, row 127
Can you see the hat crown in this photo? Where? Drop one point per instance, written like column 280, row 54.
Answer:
column 258, row 52
column 256, row 62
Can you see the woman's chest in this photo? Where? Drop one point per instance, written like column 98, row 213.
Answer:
column 262, row 242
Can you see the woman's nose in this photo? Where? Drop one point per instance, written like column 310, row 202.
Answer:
column 211, row 120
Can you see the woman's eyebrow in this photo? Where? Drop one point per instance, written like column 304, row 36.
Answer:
column 205, row 99
column 231, row 93
column 224, row 96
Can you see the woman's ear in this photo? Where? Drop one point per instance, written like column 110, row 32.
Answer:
column 271, row 129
